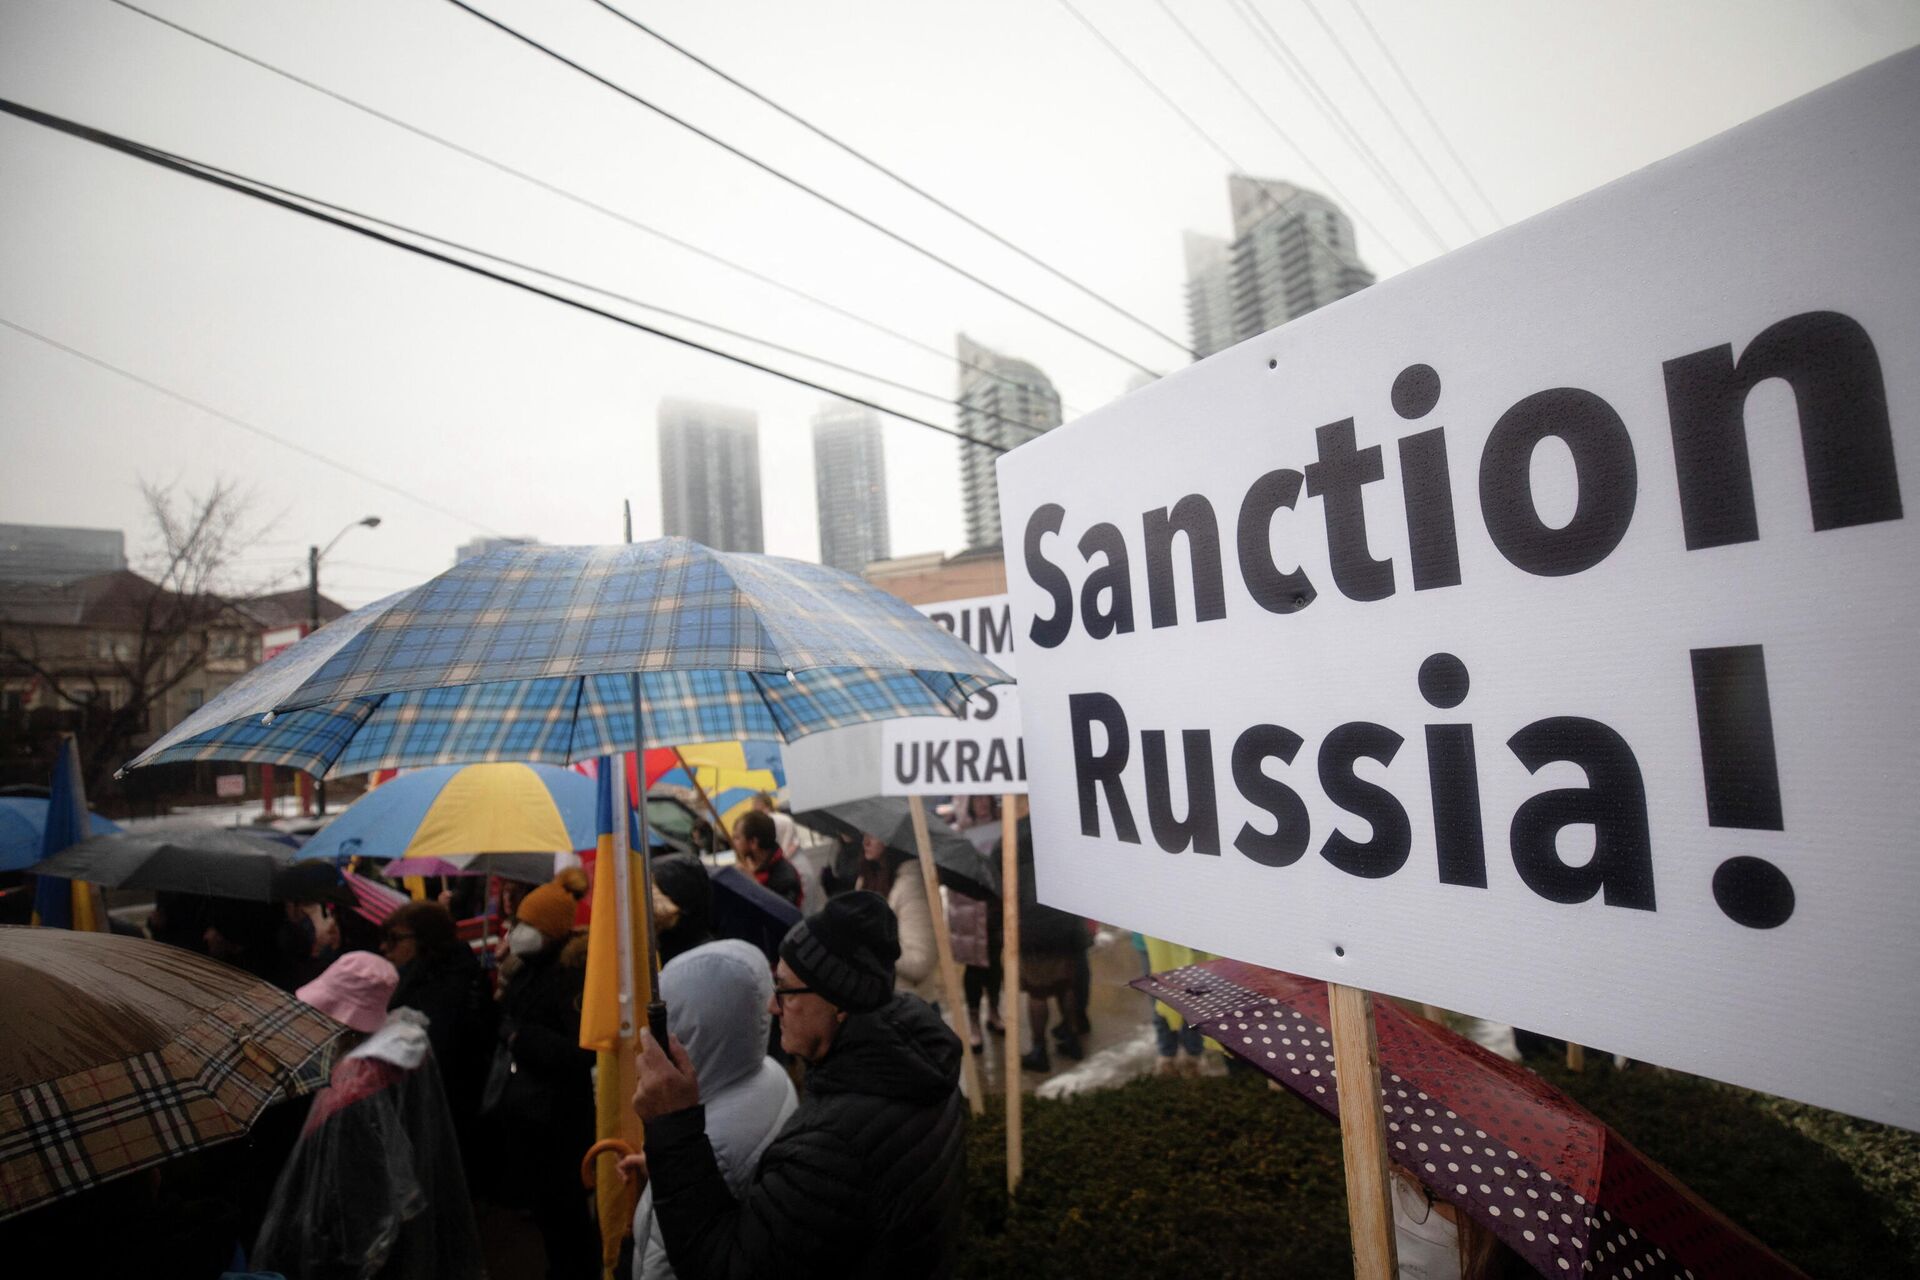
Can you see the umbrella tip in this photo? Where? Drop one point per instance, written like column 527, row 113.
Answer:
column 791, row 678
column 119, row 774
column 267, row 718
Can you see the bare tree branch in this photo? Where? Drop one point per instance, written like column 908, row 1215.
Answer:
column 154, row 636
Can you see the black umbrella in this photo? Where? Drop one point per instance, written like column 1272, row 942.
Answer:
column 961, row 867
column 745, row 909
column 217, row 862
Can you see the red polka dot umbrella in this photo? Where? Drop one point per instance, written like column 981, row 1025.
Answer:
column 1552, row 1181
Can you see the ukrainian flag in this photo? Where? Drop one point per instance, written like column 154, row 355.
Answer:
column 600, row 1018
column 57, row 903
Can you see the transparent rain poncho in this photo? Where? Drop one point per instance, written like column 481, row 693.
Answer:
column 374, row 1186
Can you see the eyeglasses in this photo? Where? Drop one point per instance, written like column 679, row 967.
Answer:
column 781, row 993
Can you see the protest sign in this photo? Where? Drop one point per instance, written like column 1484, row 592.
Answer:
column 1533, row 634
column 980, row 752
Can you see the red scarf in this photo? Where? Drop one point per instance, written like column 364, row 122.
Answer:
column 761, row 875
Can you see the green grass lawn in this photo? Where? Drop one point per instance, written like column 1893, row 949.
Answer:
column 1224, row 1177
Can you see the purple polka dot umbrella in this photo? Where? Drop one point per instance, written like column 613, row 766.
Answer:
column 1548, row 1178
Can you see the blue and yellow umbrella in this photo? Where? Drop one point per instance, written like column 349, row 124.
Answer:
column 460, row 811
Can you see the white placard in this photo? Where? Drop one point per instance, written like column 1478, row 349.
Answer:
column 1485, row 643
column 980, row 753
column 832, row 766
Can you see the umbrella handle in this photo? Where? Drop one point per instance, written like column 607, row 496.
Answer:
column 606, row 1146
column 657, row 1022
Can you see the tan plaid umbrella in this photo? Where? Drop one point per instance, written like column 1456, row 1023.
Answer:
column 120, row 1053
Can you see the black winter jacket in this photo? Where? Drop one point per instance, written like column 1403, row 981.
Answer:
column 452, row 990
column 540, row 1017
column 866, row 1179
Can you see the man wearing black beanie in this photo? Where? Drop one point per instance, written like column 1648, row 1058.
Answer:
column 866, row 1179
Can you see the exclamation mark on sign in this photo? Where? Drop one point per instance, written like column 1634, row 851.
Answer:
column 1743, row 778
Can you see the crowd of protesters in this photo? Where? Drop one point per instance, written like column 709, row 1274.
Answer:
column 805, row 1117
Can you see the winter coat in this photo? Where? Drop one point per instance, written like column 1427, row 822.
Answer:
column 451, row 990
column 540, row 1020
column 782, row 877
column 918, row 968
column 684, row 881
column 716, row 998
column 866, row 1179
column 1045, row 931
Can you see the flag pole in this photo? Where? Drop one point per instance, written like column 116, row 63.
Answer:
column 656, row 1008
column 623, row 886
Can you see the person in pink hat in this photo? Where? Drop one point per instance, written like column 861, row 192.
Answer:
column 375, row 1186
column 354, row 990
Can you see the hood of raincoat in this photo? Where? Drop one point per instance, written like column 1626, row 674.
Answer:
column 401, row 1040
column 716, row 997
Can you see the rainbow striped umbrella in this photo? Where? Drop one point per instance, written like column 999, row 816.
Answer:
column 727, row 774
column 372, row 900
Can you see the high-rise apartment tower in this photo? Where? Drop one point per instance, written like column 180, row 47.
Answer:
column 710, row 474
column 1292, row 251
column 1005, row 401
column 850, row 486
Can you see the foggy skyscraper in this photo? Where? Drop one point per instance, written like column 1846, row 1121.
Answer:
column 998, row 396
column 1292, row 251
column 850, row 486
column 710, row 474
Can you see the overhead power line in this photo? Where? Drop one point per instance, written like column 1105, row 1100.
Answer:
column 572, row 282
column 190, row 168
column 1218, row 147
column 1393, row 117
column 875, row 165
column 1330, row 111
column 1421, row 102
column 1332, row 187
column 573, row 197
column 798, row 185
column 246, row 426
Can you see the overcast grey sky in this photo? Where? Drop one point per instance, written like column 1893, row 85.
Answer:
column 527, row 417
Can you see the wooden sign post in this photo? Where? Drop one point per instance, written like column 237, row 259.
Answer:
column 1363, row 1132
column 1010, row 982
column 943, row 942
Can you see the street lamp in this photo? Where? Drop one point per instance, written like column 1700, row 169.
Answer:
column 314, row 556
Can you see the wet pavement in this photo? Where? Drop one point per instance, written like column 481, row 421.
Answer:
column 1120, row 1045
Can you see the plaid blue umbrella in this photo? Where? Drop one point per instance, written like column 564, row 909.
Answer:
column 528, row 653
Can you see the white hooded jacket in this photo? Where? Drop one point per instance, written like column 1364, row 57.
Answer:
column 716, row 997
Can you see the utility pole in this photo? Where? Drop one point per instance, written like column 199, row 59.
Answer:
column 313, row 625
column 314, row 556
